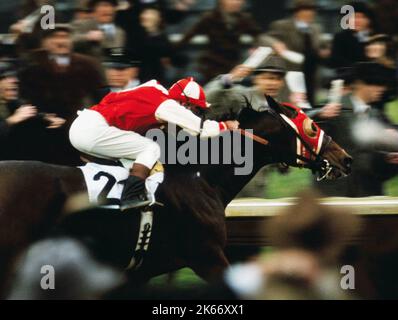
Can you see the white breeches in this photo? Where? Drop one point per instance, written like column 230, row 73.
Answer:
column 91, row 134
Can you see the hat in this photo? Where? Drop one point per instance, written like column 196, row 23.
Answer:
column 92, row 3
column 303, row 4
column 378, row 38
column 7, row 70
column 81, row 6
column 57, row 27
column 273, row 64
column 346, row 74
column 311, row 226
column 363, row 7
column 372, row 73
column 119, row 58
column 188, row 90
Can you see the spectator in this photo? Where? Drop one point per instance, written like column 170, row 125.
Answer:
column 300, row 34
column 128, row 17
column 371, row 168
column 70, row 80
column 121, row 72
column 378, row 49
column 348, row 45
column 128, row 20
column 18, row 122
column 77, row 275
column 10, row 113
column 60, row 82
column 311, row 226
column 316, row 233
column 27, row 31
column 153, row 46
column 268, row 80
column 81, row 13
column 223, row 26
column 93, row 35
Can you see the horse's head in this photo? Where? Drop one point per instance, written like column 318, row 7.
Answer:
column 296, row 140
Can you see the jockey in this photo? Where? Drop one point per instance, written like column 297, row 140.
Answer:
column 114, row 128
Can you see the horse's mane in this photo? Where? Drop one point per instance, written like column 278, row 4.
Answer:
column 227, row 105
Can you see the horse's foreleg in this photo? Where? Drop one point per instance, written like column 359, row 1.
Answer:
column 211, row 266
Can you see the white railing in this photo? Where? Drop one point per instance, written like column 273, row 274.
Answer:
column 267, row 208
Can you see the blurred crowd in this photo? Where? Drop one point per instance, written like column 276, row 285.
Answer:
column 98, row 46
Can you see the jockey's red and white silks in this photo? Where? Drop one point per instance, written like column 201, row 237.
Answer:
column 134, row 109
column 115, row 127
column 146, row 106
column 297, row 124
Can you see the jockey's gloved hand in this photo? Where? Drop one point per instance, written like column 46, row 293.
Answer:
column 232, row 124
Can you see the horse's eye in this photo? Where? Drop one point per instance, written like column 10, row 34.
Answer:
column 310, row 129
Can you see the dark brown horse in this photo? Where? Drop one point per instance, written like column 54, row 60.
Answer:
column 189, row 231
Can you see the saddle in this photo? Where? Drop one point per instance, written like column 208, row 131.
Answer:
column 158, row 167
column 106, row 162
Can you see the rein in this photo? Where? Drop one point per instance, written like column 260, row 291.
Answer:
column 254, row 137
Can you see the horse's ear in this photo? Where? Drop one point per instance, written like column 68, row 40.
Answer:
column 248, row 102
column 274, row 105
column 247, row 116
column 246, row 107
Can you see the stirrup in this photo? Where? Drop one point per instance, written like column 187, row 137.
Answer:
column 153, row 201
column 134, row 204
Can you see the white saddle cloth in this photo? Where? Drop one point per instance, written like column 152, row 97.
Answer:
column 109, row 181
column 101, row 178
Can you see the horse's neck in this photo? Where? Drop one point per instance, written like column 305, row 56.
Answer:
column 227, row 183
column 229, row 180
column 223, row 179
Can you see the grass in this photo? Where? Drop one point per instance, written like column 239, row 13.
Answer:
column 279, row 186
column 391, row 186
column 186, row 278
column 287, row 185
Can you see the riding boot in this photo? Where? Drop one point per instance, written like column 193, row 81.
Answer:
column 134, row 193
